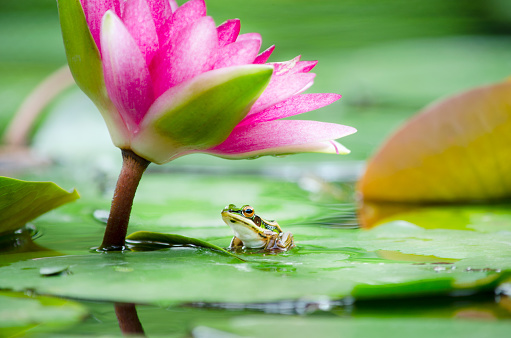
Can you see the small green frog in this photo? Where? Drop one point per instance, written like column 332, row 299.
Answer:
column 254, row 232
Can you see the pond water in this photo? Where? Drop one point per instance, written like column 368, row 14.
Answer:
column 339, row 278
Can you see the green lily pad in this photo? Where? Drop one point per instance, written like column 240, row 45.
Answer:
column 396, row 259
column 155, row 240
column 21, row 314
column 327, row 263
column 22, row 201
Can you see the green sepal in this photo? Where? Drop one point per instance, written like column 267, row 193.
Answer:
column 200, row 113
column 82, row 53
column 22, row 201
column 200, row 120
column 84, row 61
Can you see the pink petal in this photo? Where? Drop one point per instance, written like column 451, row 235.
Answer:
column 264, row 56
column 238, row 53
column 192, row 53
column 161, row 11
column 249, row 36
column 94, row 11
column 282, row 88
column 120, row 4
column 281, row 68
column 293, row 66
column 183, row 16
column 138, row 20
column 228, row 32
column 304, row 66
column 272, row 137
column 127, row 78
column 295, row 105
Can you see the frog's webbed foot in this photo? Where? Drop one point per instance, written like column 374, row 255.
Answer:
column 236, row 244
column 281, row 242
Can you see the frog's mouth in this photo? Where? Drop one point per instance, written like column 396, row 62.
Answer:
column 250, row 234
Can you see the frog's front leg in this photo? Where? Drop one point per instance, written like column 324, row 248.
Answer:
column 287, row 240
column 281, row 242
column 236, row 243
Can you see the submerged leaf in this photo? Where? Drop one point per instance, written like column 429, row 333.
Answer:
column 455, row 150
column 155, row 240
column 22, row 201
column 21, row 314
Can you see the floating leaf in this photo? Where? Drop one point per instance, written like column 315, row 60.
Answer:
column 156, row 240
column 22, row 201
column 299, row 326
column 21, row 315
column 327, row 263
column 456, row 150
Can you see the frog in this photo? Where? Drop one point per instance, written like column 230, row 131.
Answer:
column 254, row 232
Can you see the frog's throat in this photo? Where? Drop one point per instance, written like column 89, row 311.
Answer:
column 247, row 231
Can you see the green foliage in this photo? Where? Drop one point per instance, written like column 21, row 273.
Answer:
column 22, row 201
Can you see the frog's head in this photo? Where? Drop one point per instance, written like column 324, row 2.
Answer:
column 251, row 229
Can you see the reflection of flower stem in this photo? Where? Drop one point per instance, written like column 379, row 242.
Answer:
column 128, row 319
column 133, row 166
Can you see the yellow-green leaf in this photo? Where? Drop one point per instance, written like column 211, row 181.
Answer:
column 456, row 150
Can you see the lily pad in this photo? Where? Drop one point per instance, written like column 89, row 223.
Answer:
column 398, row 259
column 350, row 327
column 21, row 314
column 156, row 240
column 22, row 201
column 205, row 278
column 327, row 263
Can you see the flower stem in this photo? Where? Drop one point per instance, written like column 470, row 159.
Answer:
column 128, row 319
column 133, row 166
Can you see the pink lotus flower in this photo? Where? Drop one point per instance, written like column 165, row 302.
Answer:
column 168, row 82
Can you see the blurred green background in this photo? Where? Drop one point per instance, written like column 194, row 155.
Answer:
column 388, row 58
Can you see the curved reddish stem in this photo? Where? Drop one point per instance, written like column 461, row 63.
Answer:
column 133, row 166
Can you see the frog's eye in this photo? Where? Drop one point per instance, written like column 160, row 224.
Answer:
column 248, row 211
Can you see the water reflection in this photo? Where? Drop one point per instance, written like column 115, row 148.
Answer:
column 19, row 245
column 127, row 316
column 183, row 320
